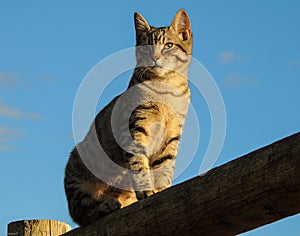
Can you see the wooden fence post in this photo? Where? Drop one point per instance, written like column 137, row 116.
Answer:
column 37, row 228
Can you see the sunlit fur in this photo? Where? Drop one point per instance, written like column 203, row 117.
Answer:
column 162, row 57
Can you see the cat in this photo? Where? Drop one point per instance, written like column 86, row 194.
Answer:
column 129, row 152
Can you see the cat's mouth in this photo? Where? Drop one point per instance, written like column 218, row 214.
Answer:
column 161, row 67
column 159, row 70
column 157, row 66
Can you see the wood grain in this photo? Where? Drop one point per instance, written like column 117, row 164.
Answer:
column 37, row 228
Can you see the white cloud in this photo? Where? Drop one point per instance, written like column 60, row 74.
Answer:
column 295, row 63
column 5, row 147
column 11, row 112
column 226, row 57
column 7, row 80
column 7, row 134
column 234, row 79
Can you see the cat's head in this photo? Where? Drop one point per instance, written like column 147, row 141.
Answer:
column 166, row 49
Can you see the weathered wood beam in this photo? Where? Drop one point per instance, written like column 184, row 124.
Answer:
column 253, row 190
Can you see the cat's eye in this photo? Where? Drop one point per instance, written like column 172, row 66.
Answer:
column 168, row 45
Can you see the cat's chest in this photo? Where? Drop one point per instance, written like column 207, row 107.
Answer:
column 158, row 92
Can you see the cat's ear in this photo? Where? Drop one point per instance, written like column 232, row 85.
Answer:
column 181, row 24
column 141, row 25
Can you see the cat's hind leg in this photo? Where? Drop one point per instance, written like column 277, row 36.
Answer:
column 85, row 209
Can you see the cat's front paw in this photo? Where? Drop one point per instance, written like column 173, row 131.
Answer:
column 109, row 205
column 143, row 194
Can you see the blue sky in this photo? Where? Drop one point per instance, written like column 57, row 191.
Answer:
column 251, row 49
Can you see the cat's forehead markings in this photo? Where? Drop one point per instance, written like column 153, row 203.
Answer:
column 157, row 34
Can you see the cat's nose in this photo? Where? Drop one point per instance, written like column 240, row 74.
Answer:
column 155, row 57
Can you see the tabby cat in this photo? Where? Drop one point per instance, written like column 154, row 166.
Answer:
column 129, row 152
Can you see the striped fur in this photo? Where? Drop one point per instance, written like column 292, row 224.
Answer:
column 139, row 130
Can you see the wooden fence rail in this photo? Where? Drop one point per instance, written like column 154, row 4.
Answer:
column 253, row 190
